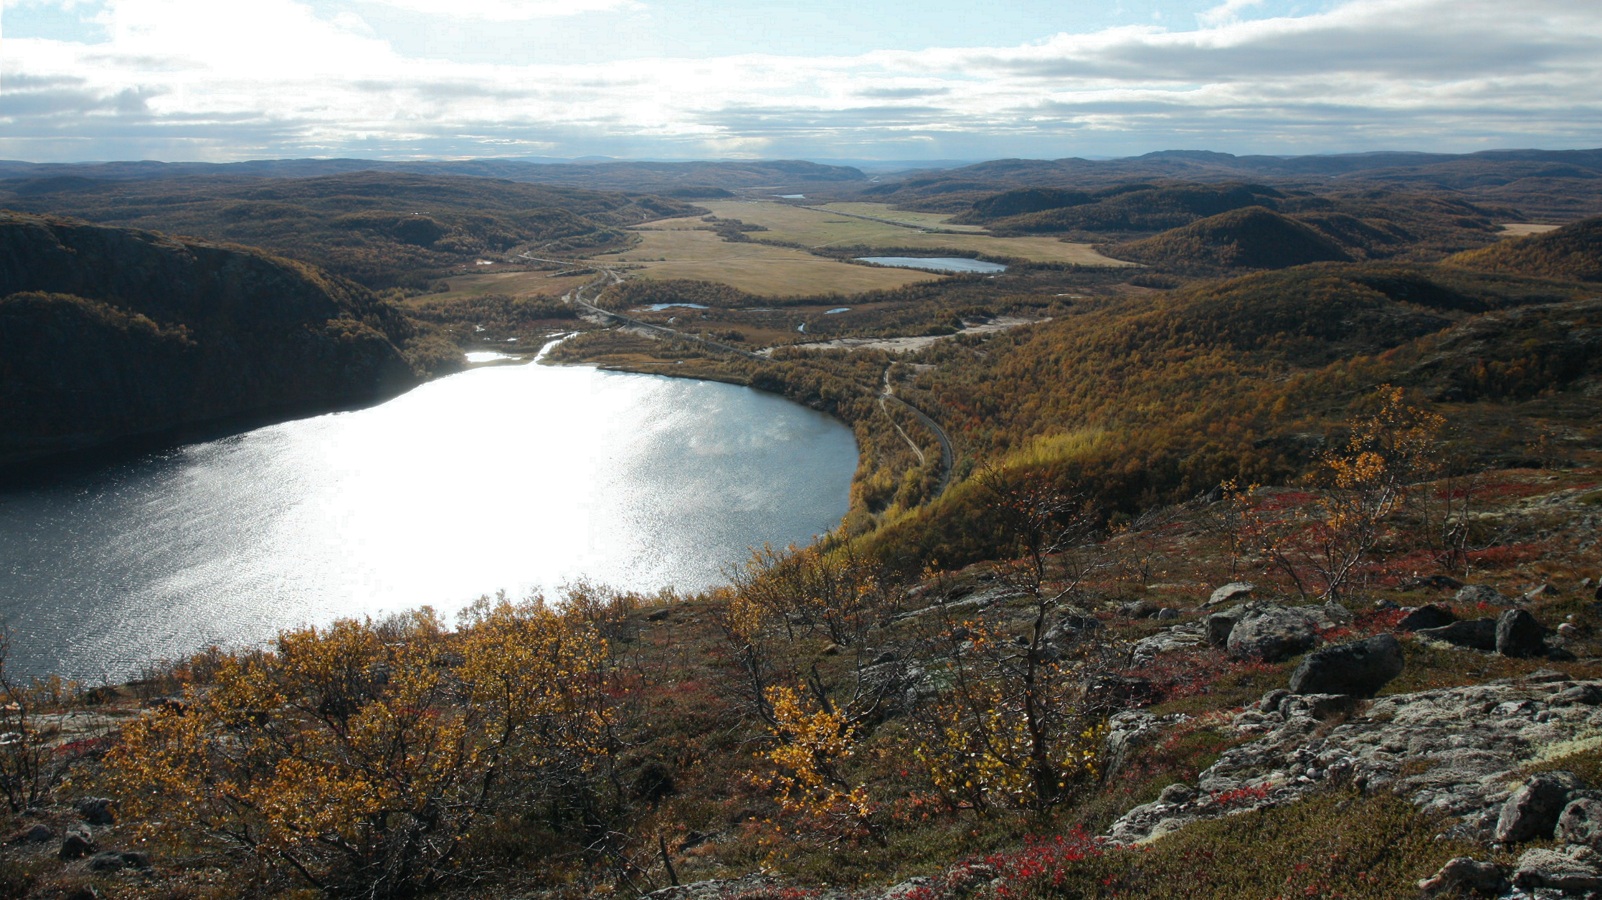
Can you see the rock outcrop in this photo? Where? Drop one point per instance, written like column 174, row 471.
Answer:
column 1413, row 744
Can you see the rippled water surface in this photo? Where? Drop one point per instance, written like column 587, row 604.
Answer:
column 514, row 477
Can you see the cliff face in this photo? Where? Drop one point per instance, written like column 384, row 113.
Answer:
column 109, row 333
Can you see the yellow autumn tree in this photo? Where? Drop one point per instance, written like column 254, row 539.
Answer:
column 361, row 757
column 1363, row 482
column 811, row 745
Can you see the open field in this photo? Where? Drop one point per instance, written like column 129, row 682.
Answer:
column 815, row 228
column 512, row 284
column 906, row 217
column 1520, row 229
column 668, row 250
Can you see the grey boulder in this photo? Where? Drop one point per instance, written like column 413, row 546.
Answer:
column 1359, row 668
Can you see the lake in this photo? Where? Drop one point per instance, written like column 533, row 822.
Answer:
column 937, row 263
column 512, row 477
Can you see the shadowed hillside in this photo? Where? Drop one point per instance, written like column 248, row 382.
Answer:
column 1250, row 238
column 109, row 333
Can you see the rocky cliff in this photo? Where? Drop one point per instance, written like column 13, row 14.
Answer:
column 109, row 334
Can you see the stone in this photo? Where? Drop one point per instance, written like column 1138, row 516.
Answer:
column 1219, row 625
column 1272, row 634
column 1520, row 635
column 1431, row 616
column 1139, row 609
column 1177, row 793
column 1581, row 823
column 38, row 834
column 1482, row 593
column 77, row 844
column 1463, row 874
column 1532, row 812
column 1359, row 668
column 1475, row 634
column 1229, row 592
column 1167, row 613
column 1571, row 870
column 1579, row 695
column 1270, row 701
column 1119, row 691
column 96, row 810
column 914, row 887
column 1317, row 707
column 107, row 861
column 1538, row 592
column 1435, row 582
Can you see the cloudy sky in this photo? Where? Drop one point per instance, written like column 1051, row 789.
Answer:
column 223, row 80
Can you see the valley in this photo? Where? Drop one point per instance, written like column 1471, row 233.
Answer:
column 1110, row 507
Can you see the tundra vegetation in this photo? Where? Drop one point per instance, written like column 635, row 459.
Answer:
column 942, row 689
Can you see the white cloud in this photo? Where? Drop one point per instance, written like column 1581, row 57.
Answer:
column 510, row 10
column 1225, row 13
column 285, row 80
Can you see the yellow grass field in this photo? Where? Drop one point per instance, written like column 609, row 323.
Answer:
column 818, row 228
column 670, row 250
column 515, row 284
column 905, row 217
column 1520, row 229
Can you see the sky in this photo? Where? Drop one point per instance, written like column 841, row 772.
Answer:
column 226, row 80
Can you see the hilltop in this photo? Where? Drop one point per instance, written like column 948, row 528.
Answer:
column 1250, row 238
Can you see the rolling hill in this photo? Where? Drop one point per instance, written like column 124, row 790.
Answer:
column 1249, row 238
column 378, row 228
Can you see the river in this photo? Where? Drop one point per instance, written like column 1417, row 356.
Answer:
column 516, row 478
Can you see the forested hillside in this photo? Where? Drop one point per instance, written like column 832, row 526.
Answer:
column 108, row 334
column 377, row 228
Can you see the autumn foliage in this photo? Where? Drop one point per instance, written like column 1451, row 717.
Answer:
column 363, row 757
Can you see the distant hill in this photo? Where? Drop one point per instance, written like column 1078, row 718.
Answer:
column 591, row 174
column 108, row 334
column 1553, row 185
column 1573, row 253
column 1127, row 208
column 1250, row 238
column 377, row 228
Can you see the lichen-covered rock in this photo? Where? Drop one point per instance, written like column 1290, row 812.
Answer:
column 1532, row 812
column 1571, row 869
column 1232, row 591
column 1273, row 633
column 1463, row 874
column 1581, row 823
column 1482, row 593
column 1184, row 636
column 1413, row 744
column 1360, row 668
